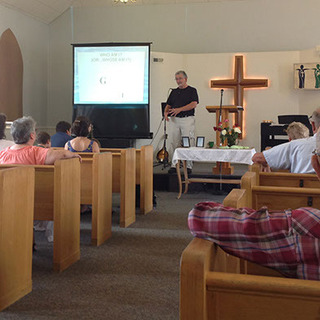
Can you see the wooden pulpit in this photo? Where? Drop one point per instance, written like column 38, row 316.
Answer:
column 223, row 167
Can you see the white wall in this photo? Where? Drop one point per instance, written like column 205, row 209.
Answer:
column 60, row 70
column 32, row 37
column 205, row 27
column 194, row 34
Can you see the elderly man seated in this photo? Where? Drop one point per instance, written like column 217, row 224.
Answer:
column 288, row 241
column 294, row 155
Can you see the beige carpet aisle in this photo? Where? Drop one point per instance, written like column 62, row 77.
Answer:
column 134, row 275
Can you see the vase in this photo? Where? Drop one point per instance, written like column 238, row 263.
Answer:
column 231, row 141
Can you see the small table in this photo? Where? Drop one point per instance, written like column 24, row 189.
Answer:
column 242, row 156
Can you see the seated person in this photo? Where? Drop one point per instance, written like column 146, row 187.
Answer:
column 23, row 131
column 287, row 241
column 3, row 142
column 62, row 135
column 43, row 139
column 81, row 128
column 297, row 130
column 294, row 155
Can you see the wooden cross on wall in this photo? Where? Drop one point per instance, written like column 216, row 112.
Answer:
column 238, row 83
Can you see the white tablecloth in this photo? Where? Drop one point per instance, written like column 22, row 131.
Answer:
column 212, row 155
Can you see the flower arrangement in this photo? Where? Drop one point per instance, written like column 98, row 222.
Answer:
column 227, row 133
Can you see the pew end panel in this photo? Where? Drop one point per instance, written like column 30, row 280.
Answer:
column 96, row 189
column 196, row 261
column 127, row 187
column 237, row 198
column 116, row 170
column 102, row 198
column 145, row 177
column 16, row 229
column 86, row 180
column 248, row 180
column 66, row 249
column 123, row 181
column 209, row 290
column 257, row 169
column 44, row 193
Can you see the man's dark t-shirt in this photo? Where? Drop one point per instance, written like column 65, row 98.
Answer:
column 181, row 97
column 59, row 139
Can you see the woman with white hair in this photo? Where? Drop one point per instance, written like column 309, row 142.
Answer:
column 297, row 130
column 23, row 131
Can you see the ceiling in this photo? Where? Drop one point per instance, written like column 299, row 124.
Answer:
column 48, row 10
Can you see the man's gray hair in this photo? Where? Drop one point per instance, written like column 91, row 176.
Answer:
column 181, row 72
column 316, row 118
column 22, row 128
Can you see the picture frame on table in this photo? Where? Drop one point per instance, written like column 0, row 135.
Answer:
column 185, row 142
column 200, row 142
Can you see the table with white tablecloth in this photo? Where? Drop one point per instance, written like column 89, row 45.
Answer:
column 242, row 156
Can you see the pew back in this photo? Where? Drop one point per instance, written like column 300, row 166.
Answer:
column 57, row 198
column 66, row 248
column 280, row 198
column 282, row 179
column 96, row 189
column 123, row 181
column 281, row 190
column 144, row 175
column 217, row 286
column 16, row 229
column 285, row 179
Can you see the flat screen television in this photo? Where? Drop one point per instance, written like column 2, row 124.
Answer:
column 111, row 86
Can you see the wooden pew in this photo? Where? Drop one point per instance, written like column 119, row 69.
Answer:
column 282, row 179
column 288, row 195
column 144, row 175
column 123, row 182
column 96, row 189
column 285, row 179
column 57, row 198
column 16, row 234
column 215, row 285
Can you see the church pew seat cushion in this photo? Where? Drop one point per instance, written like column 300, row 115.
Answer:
column 287, row 241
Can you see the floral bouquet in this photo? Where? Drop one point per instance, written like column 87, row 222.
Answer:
column 227, row 133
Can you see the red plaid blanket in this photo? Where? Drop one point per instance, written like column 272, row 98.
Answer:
column 288, row 241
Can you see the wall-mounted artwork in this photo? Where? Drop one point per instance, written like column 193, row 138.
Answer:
column 307, row 76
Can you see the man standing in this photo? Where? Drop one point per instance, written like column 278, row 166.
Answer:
column 63, row 134
column 180, row 108
column 294, row 155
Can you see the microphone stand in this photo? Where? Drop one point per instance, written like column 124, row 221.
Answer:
column 220, row 120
